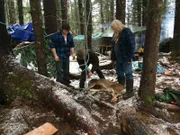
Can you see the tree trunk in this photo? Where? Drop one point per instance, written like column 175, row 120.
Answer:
column 76, row 15
column 121, row 10
column 64, row 11
column 4, row 47
column 12, row 15
column 145, row 12
column 58, row 14
column 39, row 37
column 81, row 16
column 4, row 38
column 89, row 23
column 139, row 6
column 111, row 10
column 148, row 79
column 106, row 11
column 102, row 14
column 176, row 39
column 20, row 11
column 50, row 16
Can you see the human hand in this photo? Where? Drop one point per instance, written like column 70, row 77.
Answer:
column 89, row 74
column 73, row 57
column 111, row 62
column 130, row 61
column 57, row 58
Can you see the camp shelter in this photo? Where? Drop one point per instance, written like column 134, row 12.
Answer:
column 108, row 34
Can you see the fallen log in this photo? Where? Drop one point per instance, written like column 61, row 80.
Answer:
column 108, row 66
column 132, row 125
column 168, row 107
column 108, row 119
column 54, row 94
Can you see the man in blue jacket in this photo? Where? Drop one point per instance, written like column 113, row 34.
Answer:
column 62, row 46
column 123, row 47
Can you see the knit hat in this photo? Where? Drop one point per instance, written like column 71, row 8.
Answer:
column 82, row 53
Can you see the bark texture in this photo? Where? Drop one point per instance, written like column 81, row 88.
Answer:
column 81, row 16
column 148, row 79
column 20, row 11
column 50, row 16
column 12, row 13
column 176, row 39
column 64, row 11
column 89, row 24
column 121, row 10
column 39, row 36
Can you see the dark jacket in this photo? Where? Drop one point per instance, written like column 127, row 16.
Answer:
column 58, row 42
column 126, row 47
column 91, row 58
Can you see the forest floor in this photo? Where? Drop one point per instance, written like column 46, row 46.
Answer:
column 23, row 115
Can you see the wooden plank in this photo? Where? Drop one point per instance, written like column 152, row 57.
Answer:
column 45, row 129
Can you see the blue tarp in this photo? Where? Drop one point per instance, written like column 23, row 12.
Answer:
column 137, row 66
column 21, row 33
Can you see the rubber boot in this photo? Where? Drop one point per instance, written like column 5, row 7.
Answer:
column 81, row 84
column 121, row 80
column 129, row 89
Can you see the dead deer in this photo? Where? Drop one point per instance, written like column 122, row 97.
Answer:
column 97, row 85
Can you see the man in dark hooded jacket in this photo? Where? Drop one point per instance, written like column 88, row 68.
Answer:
column 84, row 58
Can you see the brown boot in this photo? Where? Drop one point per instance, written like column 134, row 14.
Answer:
column 129, row 89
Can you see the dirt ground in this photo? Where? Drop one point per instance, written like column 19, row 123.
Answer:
column 23, row 116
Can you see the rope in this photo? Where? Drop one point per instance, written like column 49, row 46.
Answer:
column 2, row 23
column 86, row 44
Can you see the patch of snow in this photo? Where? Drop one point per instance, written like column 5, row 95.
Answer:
column 31, row 66
column 18, row 58
column 129, row 102
column 15, row 124
column 161, row 129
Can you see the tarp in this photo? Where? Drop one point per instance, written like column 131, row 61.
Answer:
column 137, row 66
column 21, row 33
column 94, row 36
column 135, row 29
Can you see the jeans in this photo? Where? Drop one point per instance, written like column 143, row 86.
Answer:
column 124, row 70
column 62, row 69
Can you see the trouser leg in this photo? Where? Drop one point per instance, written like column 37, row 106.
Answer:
column 129, row 80
column 59, row 71
column 66, row 70
column 100, row 74
column 120, row 73
column 82, row 79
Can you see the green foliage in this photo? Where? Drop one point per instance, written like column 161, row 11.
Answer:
column 28, row 57
column 24, row 90
column 168, row 96
column 28, row 54
column 19, row 87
